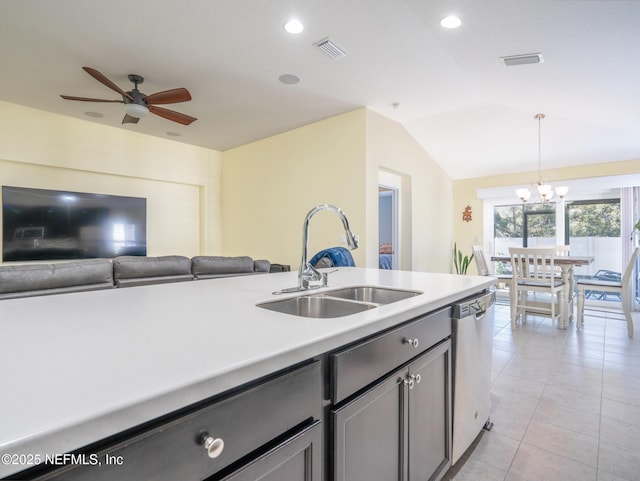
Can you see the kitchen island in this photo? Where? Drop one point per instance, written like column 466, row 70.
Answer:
column 82, row 367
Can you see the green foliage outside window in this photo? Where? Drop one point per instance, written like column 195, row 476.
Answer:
column 601, row 219
column 598, row 218
column 508, row 221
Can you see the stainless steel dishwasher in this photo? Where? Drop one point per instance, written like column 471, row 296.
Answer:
column 472, row 354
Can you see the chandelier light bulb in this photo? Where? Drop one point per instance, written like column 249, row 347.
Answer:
column 523, row 194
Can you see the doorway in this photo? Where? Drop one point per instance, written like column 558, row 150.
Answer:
column 387, row 227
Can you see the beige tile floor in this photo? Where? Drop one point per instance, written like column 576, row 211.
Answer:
column 564, row 408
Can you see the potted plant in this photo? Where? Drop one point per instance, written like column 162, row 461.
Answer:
column 460, row 262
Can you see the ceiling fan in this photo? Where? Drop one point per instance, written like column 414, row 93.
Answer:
column 137, row 104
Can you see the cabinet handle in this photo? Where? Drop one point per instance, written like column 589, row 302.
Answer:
column 412, row 380
column 409, row 381
column 411, row 342
column 213, row 446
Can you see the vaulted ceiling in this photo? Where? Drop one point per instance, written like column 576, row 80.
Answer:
column 447, row 87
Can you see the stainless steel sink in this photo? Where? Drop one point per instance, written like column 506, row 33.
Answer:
column 372, row 294
column 339, row 302
column 317, row 306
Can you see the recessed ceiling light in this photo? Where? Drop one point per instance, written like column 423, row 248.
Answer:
column 173, row 134
column 289, row 79
column 95, row 115
column 451, row 22
column 294, row 26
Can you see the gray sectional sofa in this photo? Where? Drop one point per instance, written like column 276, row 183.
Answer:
column 27, row 280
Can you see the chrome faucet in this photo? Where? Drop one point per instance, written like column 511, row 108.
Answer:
column 307, row 273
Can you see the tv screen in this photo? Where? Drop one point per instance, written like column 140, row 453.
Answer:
column 40, row 224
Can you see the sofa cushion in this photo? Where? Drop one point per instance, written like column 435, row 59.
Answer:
column 208, row 267
column 261, row 265
column 41, row 279
column 139, row 270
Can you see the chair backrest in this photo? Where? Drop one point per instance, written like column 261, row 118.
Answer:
column 626, row 277
column 562, row 251
column 481, row 261
column 532, row 264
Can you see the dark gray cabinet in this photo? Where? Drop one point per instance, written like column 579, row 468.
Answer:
column 429, row 417
column 297, row 458
column 398, row 428
column 368, row 436
column 271, row 425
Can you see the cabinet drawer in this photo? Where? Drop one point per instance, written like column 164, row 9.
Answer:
column 244, row 422
column 359, row 365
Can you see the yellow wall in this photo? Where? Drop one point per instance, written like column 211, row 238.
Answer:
column 251, row 200
column 428, row 230
column 181, row 182
column 270, row 185
column 465, row 193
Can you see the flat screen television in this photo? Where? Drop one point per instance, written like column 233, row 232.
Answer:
column 39, row 224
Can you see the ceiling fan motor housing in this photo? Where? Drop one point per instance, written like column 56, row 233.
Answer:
column 137, row 96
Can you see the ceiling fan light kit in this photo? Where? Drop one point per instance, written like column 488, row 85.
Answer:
column 137, row 104
column 136, row 110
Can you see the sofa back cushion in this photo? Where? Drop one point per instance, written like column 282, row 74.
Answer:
column 138, row 270
column 261, row 265
column 42, row 279
column 207, row 267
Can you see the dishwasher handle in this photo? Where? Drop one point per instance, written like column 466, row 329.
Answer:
column 476, row 306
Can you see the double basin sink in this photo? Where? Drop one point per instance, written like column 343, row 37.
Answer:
column 339, row 302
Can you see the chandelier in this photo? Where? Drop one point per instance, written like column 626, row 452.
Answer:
column 544, row 190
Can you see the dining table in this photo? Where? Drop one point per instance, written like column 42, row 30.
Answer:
column 567, row 263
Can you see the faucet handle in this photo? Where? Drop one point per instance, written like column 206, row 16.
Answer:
column 314, row 273
column 325, row 277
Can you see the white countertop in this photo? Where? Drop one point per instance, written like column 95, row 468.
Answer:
column 75, row 368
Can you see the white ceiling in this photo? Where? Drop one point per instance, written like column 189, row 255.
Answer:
column 472, row 114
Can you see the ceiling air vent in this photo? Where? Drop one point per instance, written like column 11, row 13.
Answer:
column 330, row 49
column 522, row 59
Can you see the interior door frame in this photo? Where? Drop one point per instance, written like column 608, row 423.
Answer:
column 395, row 219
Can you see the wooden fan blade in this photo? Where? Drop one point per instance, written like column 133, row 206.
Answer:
column 104, row 80
column 172, row 115
column 84, row 99
column 129, row 120
column 172, row 96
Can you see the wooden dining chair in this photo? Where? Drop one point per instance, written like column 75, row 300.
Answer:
column 483, row 266
column 623, row 288
column 534, row 271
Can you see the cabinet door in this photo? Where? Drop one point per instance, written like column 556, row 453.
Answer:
column 429, row 426
column 368, row 434
column 299, row 458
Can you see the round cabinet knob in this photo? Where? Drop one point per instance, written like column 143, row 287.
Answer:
column 213, row 446
column 410, row 382
column 412, row 342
